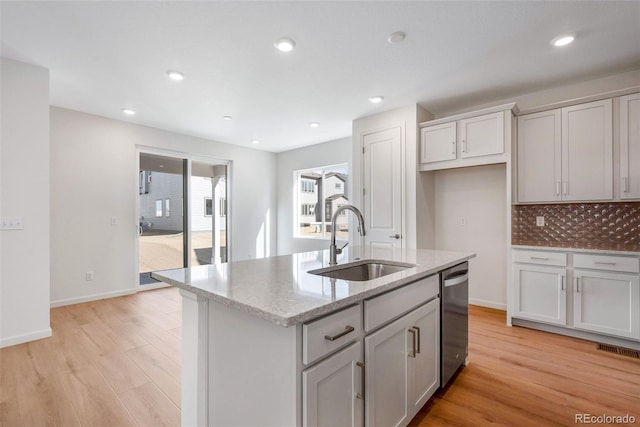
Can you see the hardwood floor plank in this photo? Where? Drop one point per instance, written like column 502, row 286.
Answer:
column 150, row 407
column 165, row 373
column 121, row 372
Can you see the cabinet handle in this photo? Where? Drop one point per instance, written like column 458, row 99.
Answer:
column 418, row 334
column 562, row 283
column 625, row 184
column 413, row 342
column 577, row 284
column 565, row 187
column 539, row 258
column 604, row 263
column 464, row 145
column 361, row 394
column 348, row 329
column 557, row 188
column 453, row 148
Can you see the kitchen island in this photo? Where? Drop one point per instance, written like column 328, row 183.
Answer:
column 265, row 342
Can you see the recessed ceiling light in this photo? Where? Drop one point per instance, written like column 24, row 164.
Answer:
column 175, row 75
column 226, row 117
column 376, row 99
column 314, row 124
column 128, row 111
column 396, row 37
column 562, row 40
column 255, row 141
column 285, row 44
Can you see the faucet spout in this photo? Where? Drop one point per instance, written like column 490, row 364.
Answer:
column 333, row 249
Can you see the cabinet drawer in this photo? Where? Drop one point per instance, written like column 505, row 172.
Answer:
column 539, row 257
column 381, row 309
column 323, row 336
column 607, row 262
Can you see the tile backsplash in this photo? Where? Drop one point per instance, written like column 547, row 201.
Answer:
column 607, row 226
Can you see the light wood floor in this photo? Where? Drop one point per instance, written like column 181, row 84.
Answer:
column 117, row 362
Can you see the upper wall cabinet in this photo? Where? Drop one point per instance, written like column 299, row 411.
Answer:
column 566, row 154
column 630, row 146
column 466, row 140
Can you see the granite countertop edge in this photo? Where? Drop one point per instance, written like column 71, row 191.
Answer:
column 287, row 321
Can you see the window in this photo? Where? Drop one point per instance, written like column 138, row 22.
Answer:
column 208, row 206
column 158, row 208
column 167, row 207
column 319, row 192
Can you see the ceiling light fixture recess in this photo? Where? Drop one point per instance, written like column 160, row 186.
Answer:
column 128, row 111
column 396, row 37
column 226, row 118
column 314, row 124
column 255, row 141
column 175, row 75
column 562, row 40
column 376, row 99
column 285, row 44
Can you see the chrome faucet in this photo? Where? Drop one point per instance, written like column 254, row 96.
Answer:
column 334, row 251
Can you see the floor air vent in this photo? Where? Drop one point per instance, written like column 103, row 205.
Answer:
column 619, row 350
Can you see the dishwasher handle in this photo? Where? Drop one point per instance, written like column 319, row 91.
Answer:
column 456, row 280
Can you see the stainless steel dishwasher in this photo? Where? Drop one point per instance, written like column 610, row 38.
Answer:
column 454, row 326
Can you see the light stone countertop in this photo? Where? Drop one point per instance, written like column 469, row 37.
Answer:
column 279, row 289
column 580, row 250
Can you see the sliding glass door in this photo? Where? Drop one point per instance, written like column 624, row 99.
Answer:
column 182, row 206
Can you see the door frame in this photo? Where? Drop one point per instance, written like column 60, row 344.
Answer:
column 189, row 158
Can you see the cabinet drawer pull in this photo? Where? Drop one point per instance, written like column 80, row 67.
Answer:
column 562, row 283
column 604, row 263
column 348, row 329
column 361, row 394
column 464, row 145
column 539, row 258
column 565, row 187
column 412, row 353
column 557, row 188
column 577, row 284
column 418, row 333
column 625, row 188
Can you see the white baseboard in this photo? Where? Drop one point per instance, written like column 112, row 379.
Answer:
column 94, row 297
column 19, row 339
column 488, row 304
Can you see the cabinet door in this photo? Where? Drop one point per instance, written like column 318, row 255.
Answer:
column 482, row 135
column 332, row 390
column 424, row 368
column 540, row 293
column 539, row 157
column 630, row 146
column 386, row 375
column 587, row 151
column 438, row 143
column 608, row 303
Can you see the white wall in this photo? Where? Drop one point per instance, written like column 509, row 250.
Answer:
column 328, row 153
column 470, row 216
column 24, row 192
column 94, row 178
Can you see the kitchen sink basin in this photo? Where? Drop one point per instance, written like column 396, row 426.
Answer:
column 362, row 270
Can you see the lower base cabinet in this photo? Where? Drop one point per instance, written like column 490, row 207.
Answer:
column 402, row 367
column 332, row 390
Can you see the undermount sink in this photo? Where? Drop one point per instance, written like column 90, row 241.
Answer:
column 362, row 270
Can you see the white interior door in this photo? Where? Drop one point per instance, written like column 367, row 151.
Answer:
column 382, row 185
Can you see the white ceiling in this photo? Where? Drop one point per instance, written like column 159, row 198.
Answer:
column 104, row 56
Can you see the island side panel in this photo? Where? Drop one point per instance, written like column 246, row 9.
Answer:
column 253, row 370
column 195, row 355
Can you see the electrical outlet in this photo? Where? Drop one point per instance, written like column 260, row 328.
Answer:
column 463, row 221
column 114, row 220
column 14, row 223
column 540, row 221
column 88, row 276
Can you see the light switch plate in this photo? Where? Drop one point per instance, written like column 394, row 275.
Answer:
column 13, row 223
column 540, row 221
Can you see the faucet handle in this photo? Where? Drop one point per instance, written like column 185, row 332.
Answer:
column 339, row 250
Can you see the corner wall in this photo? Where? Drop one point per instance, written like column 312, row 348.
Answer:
column 94, row 178
column 24, row 192
column 325, row 154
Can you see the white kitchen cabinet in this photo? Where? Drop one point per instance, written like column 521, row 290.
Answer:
column 481, row 135
column 539, row 157
column 332, row 393
column 630, row 146
column 438, row 143
column 540, row 293
column 566, row 154
column 587, row 151
column 402, row 366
